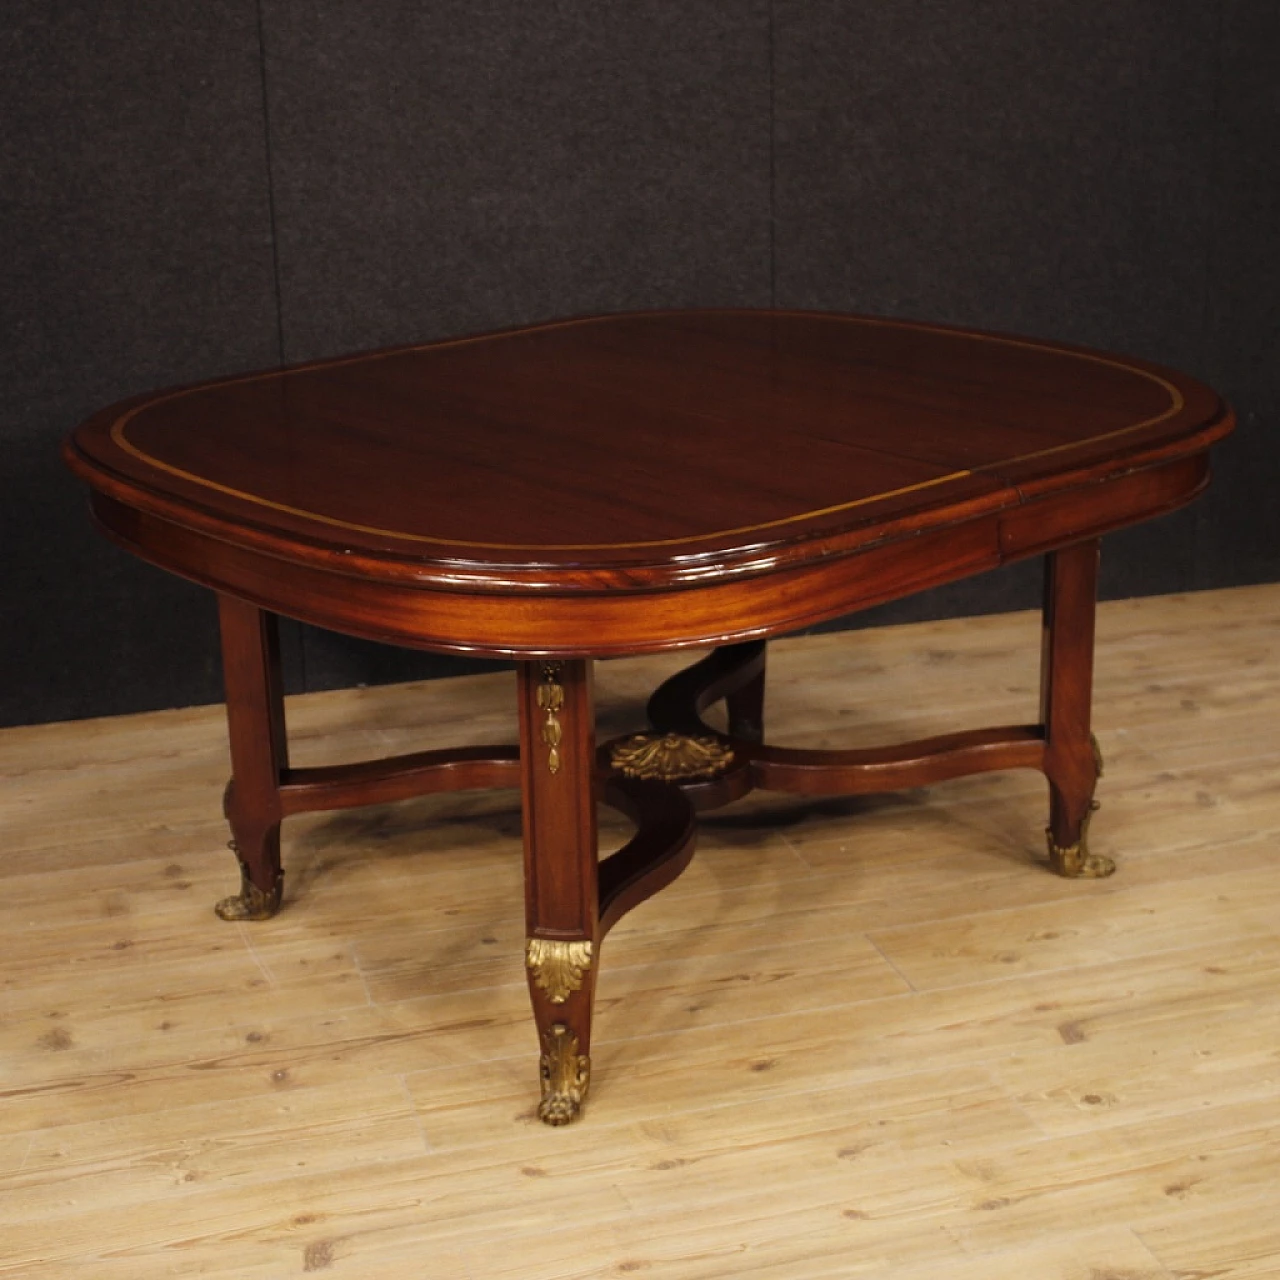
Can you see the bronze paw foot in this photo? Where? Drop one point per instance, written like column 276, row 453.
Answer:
column 565, row 1073
column 1074, row 860
column 251, row 903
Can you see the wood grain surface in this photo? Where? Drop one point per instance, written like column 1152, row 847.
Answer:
column 857, row 1037
column 748, row 473
column 632, row 450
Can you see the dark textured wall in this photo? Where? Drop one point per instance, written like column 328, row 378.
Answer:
column 188, row 190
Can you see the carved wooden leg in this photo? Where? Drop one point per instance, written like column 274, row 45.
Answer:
column 259, row 755
column 746, row 704
column 562, row 912
column 1072, row 761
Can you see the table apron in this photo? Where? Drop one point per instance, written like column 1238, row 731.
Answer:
column 502, row 625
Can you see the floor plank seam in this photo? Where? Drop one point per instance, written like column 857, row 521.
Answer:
column 911, row 986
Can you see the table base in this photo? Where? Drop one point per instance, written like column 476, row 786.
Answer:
column 659, row 780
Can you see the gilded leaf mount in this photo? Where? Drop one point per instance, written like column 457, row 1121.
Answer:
column 551, row 703
column 558, row 968
column 671, row 757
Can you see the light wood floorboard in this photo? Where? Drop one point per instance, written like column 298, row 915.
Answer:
column 867, row 1037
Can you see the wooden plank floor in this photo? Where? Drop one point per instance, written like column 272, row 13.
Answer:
column 857, row 1038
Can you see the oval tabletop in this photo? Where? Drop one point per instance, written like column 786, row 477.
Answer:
column 651, row 446
column 672, row 452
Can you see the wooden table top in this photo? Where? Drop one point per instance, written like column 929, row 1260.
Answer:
column 633, row 450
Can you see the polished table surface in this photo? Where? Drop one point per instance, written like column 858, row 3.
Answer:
column 638, row 452
column 627, row 484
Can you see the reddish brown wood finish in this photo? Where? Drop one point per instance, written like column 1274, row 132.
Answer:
column 561, row 872
column 660, row 850
column 734, row 673
column 910, row 764
column 630, row 484
column 259, row 754
column 619, row 621
column 1072, row 763
column 559, row 802
column 677, row 704
column 644, row 452
column 422, row 773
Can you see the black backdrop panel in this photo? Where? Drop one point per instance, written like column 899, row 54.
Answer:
column 1042, row 168
column 461, row 166
column 1240, row 516
column 456, row 167
column 136, row 253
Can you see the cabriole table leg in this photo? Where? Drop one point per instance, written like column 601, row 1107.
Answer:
column 259, row 755
column 557, row 766
column 1073, row 762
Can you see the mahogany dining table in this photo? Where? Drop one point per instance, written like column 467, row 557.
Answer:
column 629, row 484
